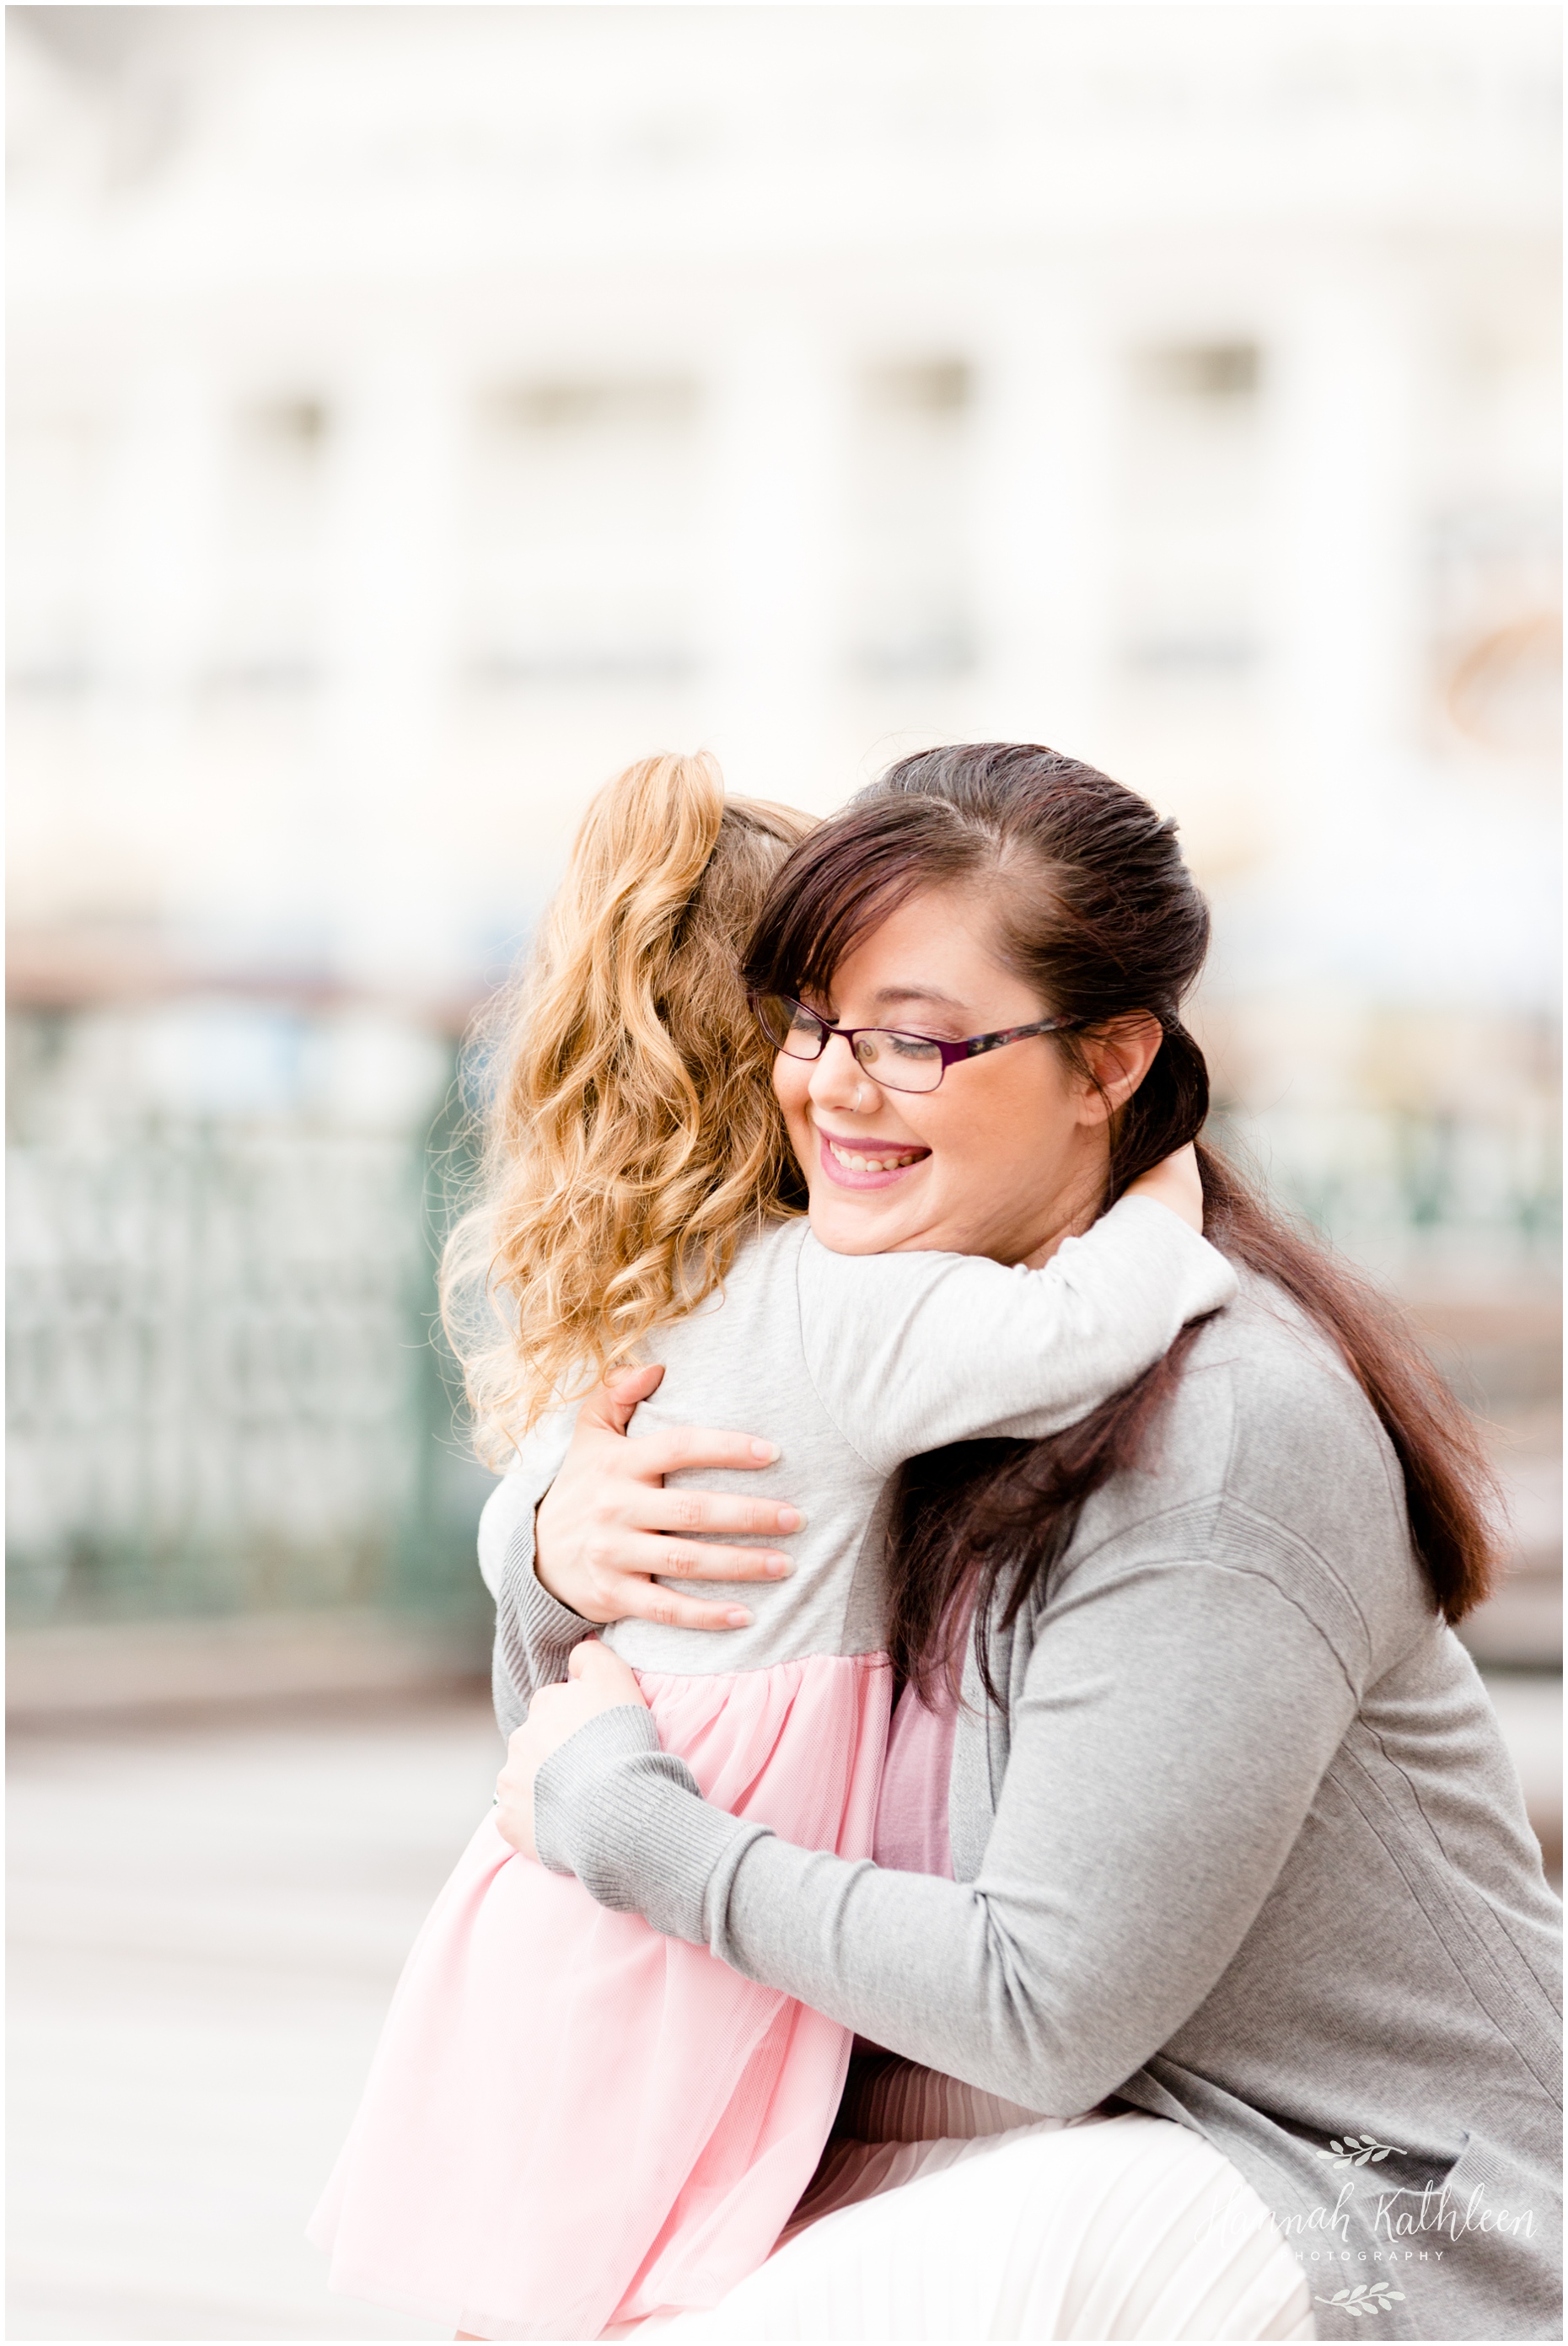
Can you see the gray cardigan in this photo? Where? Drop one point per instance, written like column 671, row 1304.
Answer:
column 1244, row 1851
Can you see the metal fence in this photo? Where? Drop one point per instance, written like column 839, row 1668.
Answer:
column 224, row 1390
column 227, row 1392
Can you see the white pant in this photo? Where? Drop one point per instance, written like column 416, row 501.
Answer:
column 1109, row 2227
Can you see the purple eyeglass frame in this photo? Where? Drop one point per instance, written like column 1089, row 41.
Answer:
column 972, row 1047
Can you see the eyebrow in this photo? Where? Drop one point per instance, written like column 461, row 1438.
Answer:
column 886, row 996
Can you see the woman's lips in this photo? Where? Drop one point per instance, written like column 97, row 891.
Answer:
column 866, row 1164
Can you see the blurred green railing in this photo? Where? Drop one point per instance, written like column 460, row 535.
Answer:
column 224, row 1393
column 1396, row 1184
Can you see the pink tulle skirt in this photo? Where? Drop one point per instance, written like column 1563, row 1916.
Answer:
column 571, row 2120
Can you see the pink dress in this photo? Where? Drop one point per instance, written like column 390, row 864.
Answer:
column 571, row 2120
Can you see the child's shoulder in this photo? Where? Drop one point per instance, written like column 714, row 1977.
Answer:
column 772, row 1252
column 760, row 1293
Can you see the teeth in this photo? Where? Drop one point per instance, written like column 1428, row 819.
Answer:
column 858, row 1164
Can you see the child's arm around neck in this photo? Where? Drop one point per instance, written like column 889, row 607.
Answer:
column 911, row 1352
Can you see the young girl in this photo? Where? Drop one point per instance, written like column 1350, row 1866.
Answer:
column 639, row 1180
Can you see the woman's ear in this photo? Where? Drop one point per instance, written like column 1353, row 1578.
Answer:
column 1118, row 1056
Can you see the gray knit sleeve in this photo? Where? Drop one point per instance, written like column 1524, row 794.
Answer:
column 610, row 1790
column 535, row 1634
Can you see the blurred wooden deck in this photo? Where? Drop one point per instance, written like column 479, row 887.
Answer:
column 206, row 1925
column 207, row 1920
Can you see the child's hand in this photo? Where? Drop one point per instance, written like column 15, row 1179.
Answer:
column 1177, row 1183
column 599, row 1681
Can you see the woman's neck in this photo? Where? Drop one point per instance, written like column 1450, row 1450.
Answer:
column 1068, row 1216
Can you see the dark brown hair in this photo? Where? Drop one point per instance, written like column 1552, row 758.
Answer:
column 1098, row 911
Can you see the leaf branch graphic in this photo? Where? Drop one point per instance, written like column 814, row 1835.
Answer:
column 1359, row 2150
column 1368, row 2296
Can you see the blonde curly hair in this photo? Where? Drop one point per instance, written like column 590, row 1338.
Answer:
column 633, row 1138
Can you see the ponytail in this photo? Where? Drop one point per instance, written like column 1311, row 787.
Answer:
column 633, row 1139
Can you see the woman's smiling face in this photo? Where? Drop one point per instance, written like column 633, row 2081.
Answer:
column 1006, row 1158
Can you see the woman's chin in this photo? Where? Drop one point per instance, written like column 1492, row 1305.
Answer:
column 862, row 1221
column 831, row 1231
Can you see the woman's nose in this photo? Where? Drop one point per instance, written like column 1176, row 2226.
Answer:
column 839, row 1082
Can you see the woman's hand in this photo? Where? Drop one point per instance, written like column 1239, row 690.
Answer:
column 599, row 1680
column 1174, row 1183
column 603, row 1529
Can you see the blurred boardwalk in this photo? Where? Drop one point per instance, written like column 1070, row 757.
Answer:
column 207, row 1922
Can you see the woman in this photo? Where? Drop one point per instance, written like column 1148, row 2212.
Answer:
column 1234, row 1838
column 571, row 2120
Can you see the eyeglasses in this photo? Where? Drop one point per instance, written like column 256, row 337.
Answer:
column 900, row 1063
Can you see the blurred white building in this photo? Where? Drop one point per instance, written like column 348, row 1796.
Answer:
column 417, row 411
